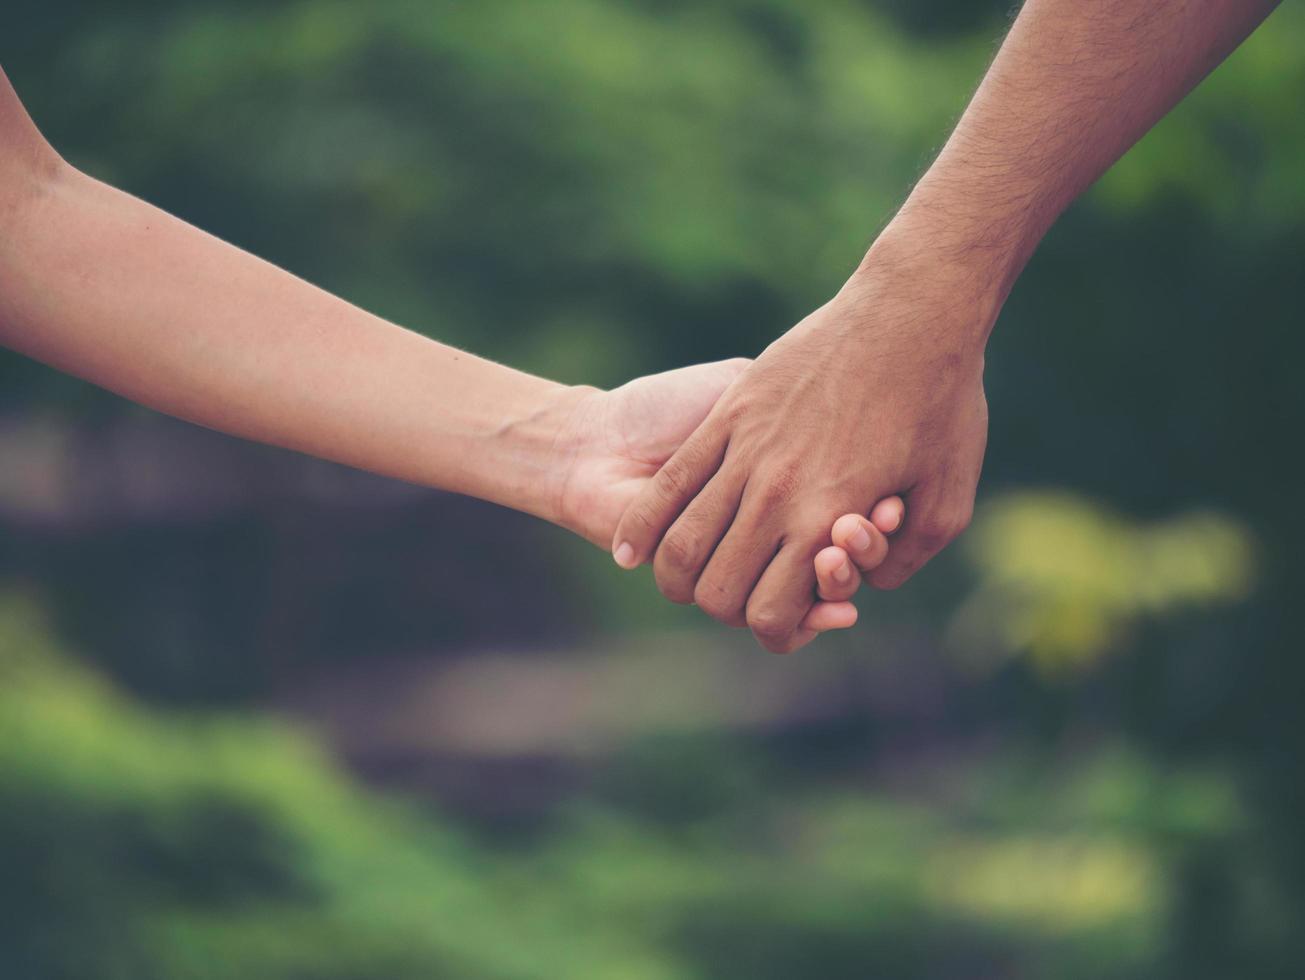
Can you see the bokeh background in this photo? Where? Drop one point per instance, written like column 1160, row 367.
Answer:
column 263, row 717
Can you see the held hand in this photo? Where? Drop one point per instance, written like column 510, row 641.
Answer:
column 860, row 545
column 616, row 441
column 878, row 392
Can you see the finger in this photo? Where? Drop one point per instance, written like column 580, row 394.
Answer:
column 933, row 522
column 801, row 638
column 650, row 514
column 825, row 616
column 837, row 578
column 782, row 599
column 738, row 562
column 688, row 545
column 888, row 514
column 864, row 543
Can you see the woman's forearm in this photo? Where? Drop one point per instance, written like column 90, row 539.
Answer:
column 108, row 288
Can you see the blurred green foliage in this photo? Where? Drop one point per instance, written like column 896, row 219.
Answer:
column 1104, row 781
column 1062, row 581
column 142, row 844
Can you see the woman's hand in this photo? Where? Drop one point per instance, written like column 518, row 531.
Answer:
column 616, row 440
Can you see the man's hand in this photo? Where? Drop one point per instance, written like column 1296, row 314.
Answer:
column 878, row 392
column 614, row 443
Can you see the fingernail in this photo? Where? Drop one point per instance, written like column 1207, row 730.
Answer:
column 842, row 573
column 897, row 522
column 624, row 554
column 860, row 539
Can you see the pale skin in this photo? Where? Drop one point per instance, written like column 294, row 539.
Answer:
column 108, row 288
column 880, row 391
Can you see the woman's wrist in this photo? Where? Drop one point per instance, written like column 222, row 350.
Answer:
column 529, row 449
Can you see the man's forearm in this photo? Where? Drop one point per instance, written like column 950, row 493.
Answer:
column 1075, row 84
column 106, row 287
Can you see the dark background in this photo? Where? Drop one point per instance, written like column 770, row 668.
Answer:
column 263, row 717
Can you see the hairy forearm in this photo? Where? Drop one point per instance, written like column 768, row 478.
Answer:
column 111, row 289
column 1074, row 85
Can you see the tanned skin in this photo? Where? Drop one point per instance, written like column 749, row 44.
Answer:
column 880, row 391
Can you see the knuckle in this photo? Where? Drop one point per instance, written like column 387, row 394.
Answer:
column 679, row 550
column 639, row 521
column 674, row 481
column 934, row 532
column 782, row 486
column 737, row 412
column 942, row 530
column 768, row 622
column 675, row 584
column 673, row 587
column 717, row 603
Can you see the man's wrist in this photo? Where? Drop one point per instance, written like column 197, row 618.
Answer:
column 948, row 280
column 976, row 221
